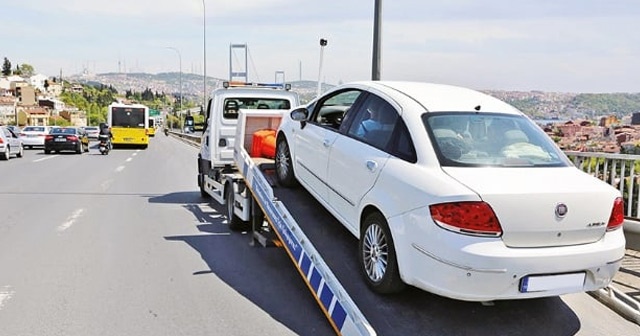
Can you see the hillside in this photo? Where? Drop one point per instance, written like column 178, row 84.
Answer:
column 537, row 104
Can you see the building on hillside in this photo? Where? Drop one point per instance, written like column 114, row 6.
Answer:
column 8, row 110
column 54, row 105
column 25, row 93
column 37, row 81
column 5, row 84
column 76, row 118
column 54, row 89
column 34, row 115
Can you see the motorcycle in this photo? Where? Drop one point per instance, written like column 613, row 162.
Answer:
column 105, row 145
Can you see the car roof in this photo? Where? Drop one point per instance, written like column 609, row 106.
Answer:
column 442, row 97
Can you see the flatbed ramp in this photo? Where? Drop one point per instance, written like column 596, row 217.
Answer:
column 342, row 313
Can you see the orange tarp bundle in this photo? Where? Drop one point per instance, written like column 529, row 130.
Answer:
column 264, row 144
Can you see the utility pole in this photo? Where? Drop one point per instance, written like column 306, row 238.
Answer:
column 323, row 43
column 204, row 42
column 377, row 27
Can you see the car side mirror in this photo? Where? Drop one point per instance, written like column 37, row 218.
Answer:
column 300, row 114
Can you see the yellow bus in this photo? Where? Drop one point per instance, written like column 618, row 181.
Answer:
column 129, row 124
column 152, row 126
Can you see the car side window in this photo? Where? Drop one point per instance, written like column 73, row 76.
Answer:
column 374, row 122
column 402, row 145
column 330, row 112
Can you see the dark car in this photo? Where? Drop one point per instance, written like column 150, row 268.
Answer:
column 66, row 139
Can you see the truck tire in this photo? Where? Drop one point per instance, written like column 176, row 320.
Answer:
column 284, row 164
column 377, row 256
column 235, row 223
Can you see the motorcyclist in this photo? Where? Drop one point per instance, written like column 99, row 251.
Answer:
column 105, row 133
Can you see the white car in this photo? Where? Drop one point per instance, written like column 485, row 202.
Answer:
column 33, row 136
column 452, row 191
column 10, row 144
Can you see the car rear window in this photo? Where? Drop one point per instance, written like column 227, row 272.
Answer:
column 63, row 131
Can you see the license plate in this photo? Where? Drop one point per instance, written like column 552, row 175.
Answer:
column 127, row 139
column 61, row 139
column 540, row 283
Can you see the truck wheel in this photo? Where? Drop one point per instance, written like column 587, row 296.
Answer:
column 378, row 256
column 235, row 223
column 284, row 164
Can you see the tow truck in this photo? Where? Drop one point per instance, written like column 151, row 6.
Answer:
column 235, row 167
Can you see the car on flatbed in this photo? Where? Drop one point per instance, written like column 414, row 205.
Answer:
column 452, row 191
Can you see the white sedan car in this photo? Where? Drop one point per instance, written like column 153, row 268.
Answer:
column 452, row 191
column 33, row 136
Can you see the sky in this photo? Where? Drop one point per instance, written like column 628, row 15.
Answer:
column 590, row 46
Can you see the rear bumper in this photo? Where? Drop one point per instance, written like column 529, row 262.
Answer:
column 484, row 269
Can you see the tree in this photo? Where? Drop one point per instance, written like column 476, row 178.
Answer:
column 27, row 70
column 17, row 71
column 6, row 67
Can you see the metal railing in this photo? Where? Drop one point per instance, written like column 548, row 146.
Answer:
column 619, row 170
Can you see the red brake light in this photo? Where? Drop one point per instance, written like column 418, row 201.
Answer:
column 474, row 218
column 72, row 138
column 48, row 137
column 1, row 141
column 617, row 215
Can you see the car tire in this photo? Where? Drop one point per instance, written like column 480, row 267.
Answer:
column 235, row 223
column 79, row 149
column 6, row 155
column 377, row 256
column 20, row 152
column 47, row 151
column 284, row 164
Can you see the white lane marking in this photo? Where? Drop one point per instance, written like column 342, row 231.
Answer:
column 106, row 184
column 72, row 219
column 129, row 159
column 119, row 169
column 5, row 294
column 45, row 158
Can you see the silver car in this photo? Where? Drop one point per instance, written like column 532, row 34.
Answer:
column 10, row 144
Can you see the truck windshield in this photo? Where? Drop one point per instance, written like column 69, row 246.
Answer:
column 233, row 105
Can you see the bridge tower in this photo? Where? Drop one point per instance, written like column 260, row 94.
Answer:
column 234, row 73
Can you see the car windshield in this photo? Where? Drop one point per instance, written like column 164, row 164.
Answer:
column 486, row 139
column 33, row 129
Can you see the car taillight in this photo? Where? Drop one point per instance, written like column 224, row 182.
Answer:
column 72, row 138
column 617, row 215
column 473, row 218
column 1, row 141
column 48, row 137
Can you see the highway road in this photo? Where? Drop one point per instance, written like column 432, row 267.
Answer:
column 124, row 245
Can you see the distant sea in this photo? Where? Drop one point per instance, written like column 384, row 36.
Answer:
column 544, row 122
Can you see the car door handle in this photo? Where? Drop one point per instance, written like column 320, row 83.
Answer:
column 372, row 166
column 326, row 143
